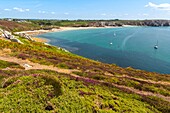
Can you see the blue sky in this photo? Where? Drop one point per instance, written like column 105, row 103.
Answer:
column 85, row 9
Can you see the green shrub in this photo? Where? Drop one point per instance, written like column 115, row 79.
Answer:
column 62, row 65
column 28, row 93
column 4, row 64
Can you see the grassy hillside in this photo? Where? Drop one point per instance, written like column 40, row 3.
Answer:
column 16, row 25
column 44, row 91
column 59, row 81
column 92, row 87
column 4, row 64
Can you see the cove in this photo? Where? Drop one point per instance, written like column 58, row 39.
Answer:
column 125, row 47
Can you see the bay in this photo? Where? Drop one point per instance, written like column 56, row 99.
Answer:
column 125, row 47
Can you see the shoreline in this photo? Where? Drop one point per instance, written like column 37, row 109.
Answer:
column 41, row 31
column 34, row 33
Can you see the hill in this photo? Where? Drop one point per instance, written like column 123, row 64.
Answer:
column 15, row 25
column 35, row 77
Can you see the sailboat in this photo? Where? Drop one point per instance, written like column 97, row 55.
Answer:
column 114, row 36
column 156, row 45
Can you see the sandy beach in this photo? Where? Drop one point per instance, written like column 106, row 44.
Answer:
column 37, row 32
column 33, row 33
column 43, row 40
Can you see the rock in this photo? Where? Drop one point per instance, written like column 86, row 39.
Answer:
column 27, row 66
column 9, row 36
column 26, row 36
column 63, row 49
column 154, row 23
column 47, row 44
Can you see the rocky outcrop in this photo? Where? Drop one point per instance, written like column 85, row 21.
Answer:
column 104, row 23
column 157, row 23
column 26, row 36
column 9, row 36
column 6, row 34
column 154, row 23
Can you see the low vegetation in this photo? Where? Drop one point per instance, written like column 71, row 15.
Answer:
column 92, row 86
column 4, row 64
column 48, row 91
column 14, row 25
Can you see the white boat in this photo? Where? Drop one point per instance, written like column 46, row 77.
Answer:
column 114, row 36
column 156, row 46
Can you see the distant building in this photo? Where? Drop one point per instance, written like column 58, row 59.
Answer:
column 21, row 21
column 9, row 19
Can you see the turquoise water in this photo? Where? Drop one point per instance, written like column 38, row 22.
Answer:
column 128, row 46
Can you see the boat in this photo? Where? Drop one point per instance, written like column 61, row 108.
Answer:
column 156, row 46
column 114, row 36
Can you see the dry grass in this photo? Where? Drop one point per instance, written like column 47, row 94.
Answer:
column 5, row 52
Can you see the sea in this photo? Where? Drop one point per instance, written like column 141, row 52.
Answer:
column 123, row 46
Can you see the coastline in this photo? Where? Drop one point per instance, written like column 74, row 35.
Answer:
column 39, row 39
column 34, row 33
column 41, row 31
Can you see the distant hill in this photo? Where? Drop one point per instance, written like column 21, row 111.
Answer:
column 21, row 25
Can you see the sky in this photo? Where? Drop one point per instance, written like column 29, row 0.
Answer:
column 85, row 9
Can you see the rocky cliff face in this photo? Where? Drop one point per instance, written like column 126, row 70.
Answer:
column 9, row 36
column 155, row 23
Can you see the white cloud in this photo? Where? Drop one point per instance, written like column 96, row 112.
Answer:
column 21, row 10
column 7, row 9
column 164, row 6
column 126, row 14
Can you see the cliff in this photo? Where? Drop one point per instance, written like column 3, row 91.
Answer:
column 154, row 23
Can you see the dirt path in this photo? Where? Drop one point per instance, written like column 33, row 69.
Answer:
column 147, row 81
column 140, row 79
column 30, row 65
column 124, row 88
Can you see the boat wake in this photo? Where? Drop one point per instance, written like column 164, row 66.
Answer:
column 126, row 39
